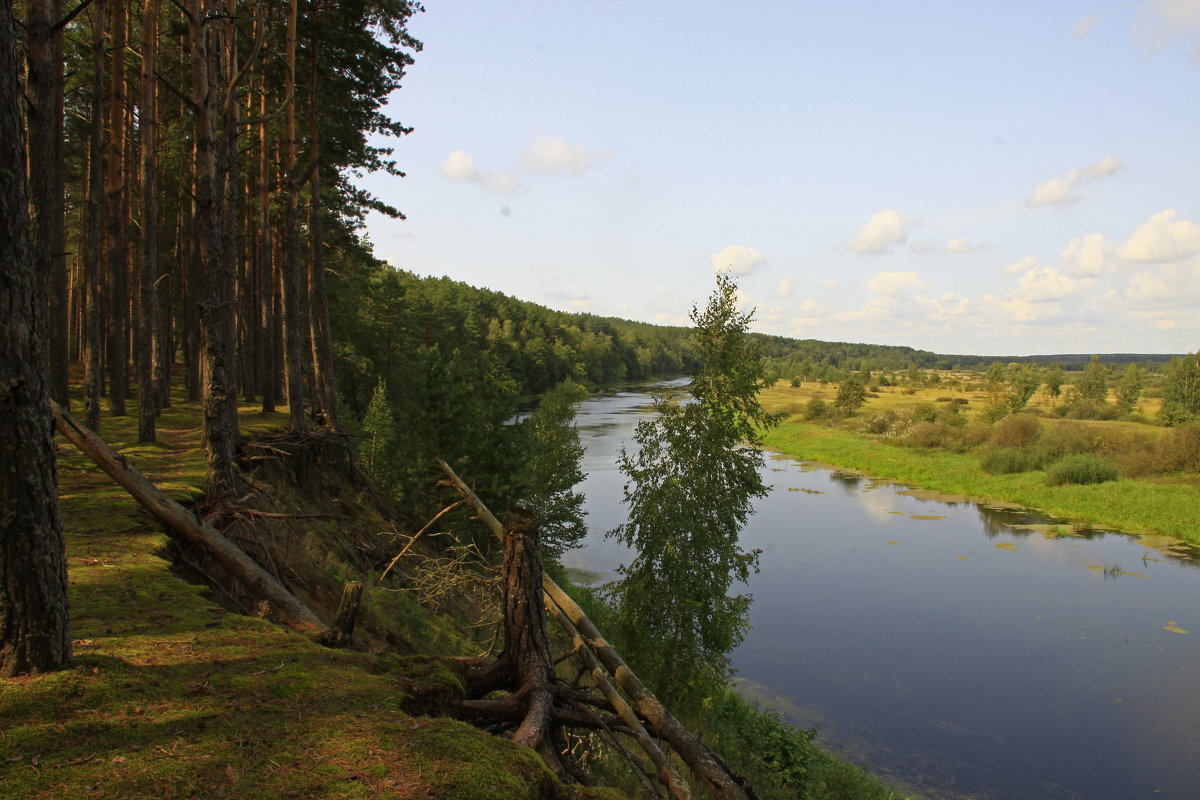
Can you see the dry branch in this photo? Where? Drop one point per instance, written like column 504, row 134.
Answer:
column 722, row 783
column 180, row 522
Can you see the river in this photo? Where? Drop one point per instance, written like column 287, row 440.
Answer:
column 958, row 650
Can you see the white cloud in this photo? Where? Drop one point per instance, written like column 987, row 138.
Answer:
column 887, row 228
column 1042, row 284
column 461, row 168
column 1084, row 27
column 1163, row 22
column 1058, row 191
column 959, row 245
column 1147, row 288
column 896, row 283
column 786, row 287
column 737, row 260
column 1087, row 256
column 550, row 155
column 1163, row 238
column 1024, row 265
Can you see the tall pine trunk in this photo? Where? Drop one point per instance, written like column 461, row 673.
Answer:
column 35, row 633
column 291, row 247
column 218, row 399
column 150, row 318
column 318, row 300
column 265, row 341
column 92, row 240
column 116, row 246
column 44, row 94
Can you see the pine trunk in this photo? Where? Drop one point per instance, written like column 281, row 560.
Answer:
column 116, row 247
column 92, row 243
column 318, row 299
column 218, row 395
column 265, row 341
column 35, row 632
column 150, row 318
column 291, row 248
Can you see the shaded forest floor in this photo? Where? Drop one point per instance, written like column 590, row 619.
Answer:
column 173, row 695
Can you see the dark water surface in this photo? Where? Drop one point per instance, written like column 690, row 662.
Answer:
column 950, row 647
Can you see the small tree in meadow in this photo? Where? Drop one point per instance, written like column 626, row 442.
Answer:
column 851, row 395
column 1129, row 390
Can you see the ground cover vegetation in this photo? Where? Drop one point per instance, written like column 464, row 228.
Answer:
column 1113, row 448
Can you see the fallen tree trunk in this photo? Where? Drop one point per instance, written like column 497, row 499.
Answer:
column 180, row 522
column 721, row 782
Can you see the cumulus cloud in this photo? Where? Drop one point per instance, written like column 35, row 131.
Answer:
column 786, row 287
column 461, row 168
column 1148, row 288
column 1164, row 22
column 1058, row 191
column 1043, row 284
column 549, row 155
column 737, row 260
column 1024, row 265
column 892, row 283
column 959, row 245
column 1086, row 256
column 887, row 228
column 1084, row 27
column 1163, row 238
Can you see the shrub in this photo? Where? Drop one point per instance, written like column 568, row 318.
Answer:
column 933, row 434
column 1178, row 449
column 976, row 433
column 1081, row 468
column 1060, row 440
column 816, row 408
column 1017, row 430
column 878, row 422
column 797, row 382
column 1004, row 461
column 925, row 412
column 993, row 413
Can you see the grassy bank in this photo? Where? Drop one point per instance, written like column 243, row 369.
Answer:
column 1165, row 504
column 172, row 695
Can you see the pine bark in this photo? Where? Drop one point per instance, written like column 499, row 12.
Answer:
column 218, row 395
column 291, row 247
column 116, row 247
column 318, row 298
column 150, row 318
column 35, row 632
column 45, row 119
column 265, row 341
column 92, row 244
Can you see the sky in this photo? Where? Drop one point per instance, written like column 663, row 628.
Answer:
column 990, row 178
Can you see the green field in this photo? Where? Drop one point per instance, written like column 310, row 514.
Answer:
column 1158, row 504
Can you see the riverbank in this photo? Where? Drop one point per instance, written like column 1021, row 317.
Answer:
column 1162, row 505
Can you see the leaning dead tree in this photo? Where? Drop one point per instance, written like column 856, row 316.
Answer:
column 541, row 701
column 183, row 524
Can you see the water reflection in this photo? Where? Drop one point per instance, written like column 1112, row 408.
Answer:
column 961, row 649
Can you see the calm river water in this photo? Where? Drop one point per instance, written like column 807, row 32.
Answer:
column 953, row 651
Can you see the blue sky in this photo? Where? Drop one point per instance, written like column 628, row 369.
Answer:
column 964, row 177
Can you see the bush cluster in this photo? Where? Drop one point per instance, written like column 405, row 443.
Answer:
column 1081, row 468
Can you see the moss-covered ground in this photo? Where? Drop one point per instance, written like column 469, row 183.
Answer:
column 171, row 695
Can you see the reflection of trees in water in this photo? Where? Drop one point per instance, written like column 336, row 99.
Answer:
column 1001, row 520
column 849, row 481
